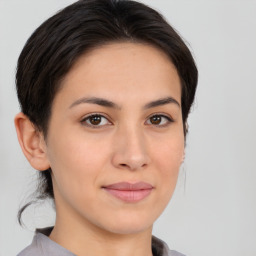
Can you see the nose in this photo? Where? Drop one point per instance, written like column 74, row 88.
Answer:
column 130, row 150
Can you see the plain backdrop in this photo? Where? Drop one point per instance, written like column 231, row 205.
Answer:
column 213, row 210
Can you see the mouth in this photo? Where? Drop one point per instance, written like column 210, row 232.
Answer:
column 129, row 192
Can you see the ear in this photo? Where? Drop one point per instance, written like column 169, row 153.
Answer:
column 32, row 142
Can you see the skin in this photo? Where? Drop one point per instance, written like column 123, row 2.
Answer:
column 124, row 146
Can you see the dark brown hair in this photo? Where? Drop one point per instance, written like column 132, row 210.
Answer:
column 56, row 45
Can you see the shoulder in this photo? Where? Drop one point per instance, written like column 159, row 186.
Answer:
column 42, row 245
column 160, row 248
column 33, row 249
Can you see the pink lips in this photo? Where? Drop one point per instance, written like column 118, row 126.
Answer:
column 129, row 192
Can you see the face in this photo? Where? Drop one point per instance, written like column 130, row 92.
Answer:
column 115, row 139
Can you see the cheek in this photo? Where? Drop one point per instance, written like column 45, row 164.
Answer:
column 76, row 151
column 76, row 162
column 167, row 159
column 168, row 153
column 168, row 163
column 77, row 165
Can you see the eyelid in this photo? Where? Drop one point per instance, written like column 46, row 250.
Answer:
column 168, row 117
column 83, row 121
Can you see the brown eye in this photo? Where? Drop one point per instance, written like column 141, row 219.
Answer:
column 155, row 119
column 159, row 120
column 95, row 121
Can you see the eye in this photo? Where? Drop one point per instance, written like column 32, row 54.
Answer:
column 95, row 121
column 159, row 120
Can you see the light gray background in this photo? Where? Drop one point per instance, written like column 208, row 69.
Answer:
column 213, row 211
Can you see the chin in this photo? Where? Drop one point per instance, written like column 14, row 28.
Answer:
column 128, row 225
column 128, row 230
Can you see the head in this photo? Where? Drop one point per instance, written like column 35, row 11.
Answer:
column 76, row 44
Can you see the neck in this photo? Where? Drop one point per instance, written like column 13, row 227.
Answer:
column 91, row 240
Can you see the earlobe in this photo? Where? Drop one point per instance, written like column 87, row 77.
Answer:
column 32, row 142
column 183, row 157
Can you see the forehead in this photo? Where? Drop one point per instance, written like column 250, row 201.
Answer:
column 111, row 70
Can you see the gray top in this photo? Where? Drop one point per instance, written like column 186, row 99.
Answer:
column 42, row 245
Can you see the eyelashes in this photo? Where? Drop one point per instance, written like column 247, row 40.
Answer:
column 98, row 120
column 159, row 120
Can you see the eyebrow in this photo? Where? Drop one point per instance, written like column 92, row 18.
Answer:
column 160, row 102
column 95, row 100
column 110, row 104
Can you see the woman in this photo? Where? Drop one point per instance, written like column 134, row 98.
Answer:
column 105, row 89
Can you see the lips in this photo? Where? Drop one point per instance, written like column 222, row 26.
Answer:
column 129, row 192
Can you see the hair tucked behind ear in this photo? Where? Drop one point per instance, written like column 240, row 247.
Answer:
column 57, row 44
